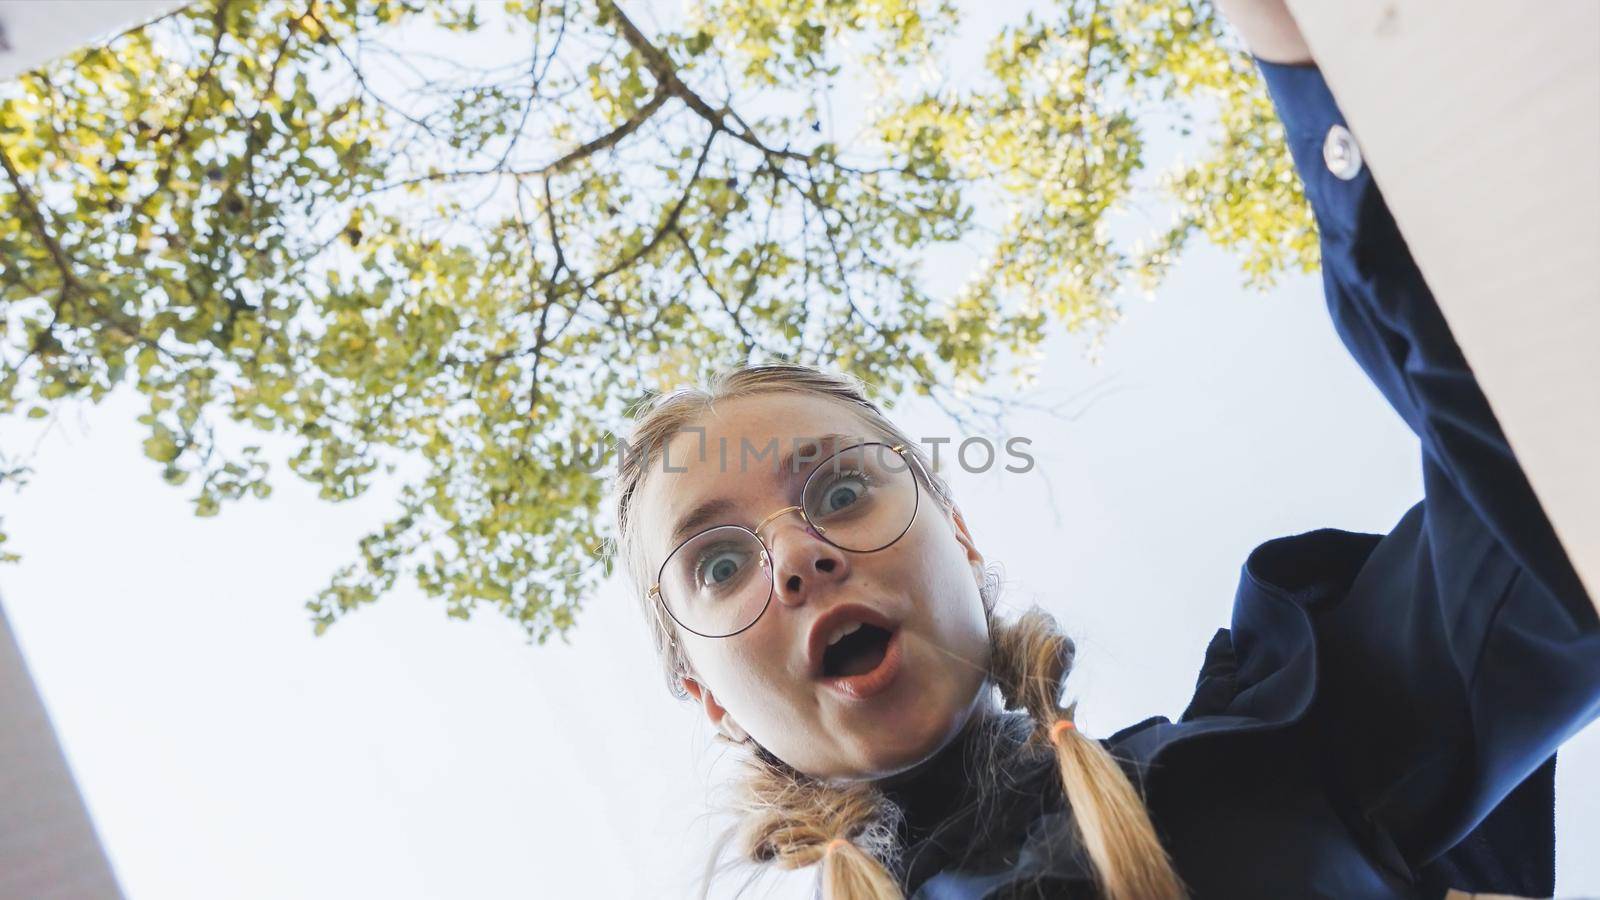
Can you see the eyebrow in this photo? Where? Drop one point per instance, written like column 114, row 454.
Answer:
column 708, row 512
column 818, row 446
column 699, row 517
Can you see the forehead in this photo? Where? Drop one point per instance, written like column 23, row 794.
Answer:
column 732, row 452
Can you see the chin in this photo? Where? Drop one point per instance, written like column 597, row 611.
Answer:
column 900, row 742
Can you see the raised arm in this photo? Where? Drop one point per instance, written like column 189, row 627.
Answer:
column 1467, row 650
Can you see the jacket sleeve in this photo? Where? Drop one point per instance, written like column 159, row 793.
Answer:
column 1466, row 650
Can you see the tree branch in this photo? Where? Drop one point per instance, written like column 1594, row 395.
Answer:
column 605, row 141
column 219, row 23
column 666, row 75
column 565, row 162
column 694, row 262
column 41, row 228
column 70, row 284
column 667, row 224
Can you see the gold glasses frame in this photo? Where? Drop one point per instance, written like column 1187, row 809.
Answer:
column 820, row 531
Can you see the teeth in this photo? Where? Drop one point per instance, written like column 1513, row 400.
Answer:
column 843, row 630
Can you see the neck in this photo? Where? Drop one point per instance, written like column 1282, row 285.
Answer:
column 928, row 792
column 974, row 798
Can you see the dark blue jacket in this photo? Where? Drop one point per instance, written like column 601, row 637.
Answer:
column 1381, row 718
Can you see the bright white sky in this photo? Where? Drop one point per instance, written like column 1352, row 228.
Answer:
column 224, row 751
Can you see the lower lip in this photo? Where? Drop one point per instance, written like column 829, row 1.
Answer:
column 867, row 684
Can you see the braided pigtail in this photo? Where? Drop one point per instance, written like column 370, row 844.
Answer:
column 1030, row 661
column 793, row 821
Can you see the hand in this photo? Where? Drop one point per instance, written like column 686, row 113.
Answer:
column 1268, row 30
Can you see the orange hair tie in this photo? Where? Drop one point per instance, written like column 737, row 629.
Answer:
column 1060, row 726
column 835, row 844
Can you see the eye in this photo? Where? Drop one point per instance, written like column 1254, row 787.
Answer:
column 846, row 488
column 718, row 568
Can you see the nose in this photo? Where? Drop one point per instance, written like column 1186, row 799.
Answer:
column 802, row 562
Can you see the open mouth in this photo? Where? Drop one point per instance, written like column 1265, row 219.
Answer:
column 857, row 653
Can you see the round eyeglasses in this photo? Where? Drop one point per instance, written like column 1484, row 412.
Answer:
column 861, row 499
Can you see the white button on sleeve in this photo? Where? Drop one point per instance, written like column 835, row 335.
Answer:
column 1340, row 153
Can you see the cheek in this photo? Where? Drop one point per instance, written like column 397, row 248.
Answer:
column 746, row 672
column 934, row 568
column 942, row 586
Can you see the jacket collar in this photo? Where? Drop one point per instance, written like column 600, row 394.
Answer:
column 1259, row 676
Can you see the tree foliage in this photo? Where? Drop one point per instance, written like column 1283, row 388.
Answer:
column 334, row 220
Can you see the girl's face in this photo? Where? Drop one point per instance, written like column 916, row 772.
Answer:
column 764, row 682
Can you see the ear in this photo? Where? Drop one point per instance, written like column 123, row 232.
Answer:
column 964, row 538
column 715, row 713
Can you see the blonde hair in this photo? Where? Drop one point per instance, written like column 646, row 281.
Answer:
column 791, row 820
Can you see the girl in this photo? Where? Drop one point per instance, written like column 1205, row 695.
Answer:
column 1380, row 720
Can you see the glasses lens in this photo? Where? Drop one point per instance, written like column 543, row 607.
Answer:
column 862, row 498
column 716, row 583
